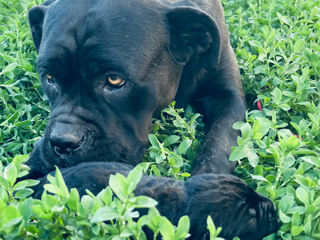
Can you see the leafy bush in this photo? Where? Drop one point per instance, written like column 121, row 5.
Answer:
column 23, row 111
column 278, row 153
column 63, row 215
column 175, row 141
column 277, row 44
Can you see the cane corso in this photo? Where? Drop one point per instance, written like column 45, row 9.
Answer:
column 109, row 66
column 234, row 206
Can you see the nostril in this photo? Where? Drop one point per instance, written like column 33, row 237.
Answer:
column 64, row 144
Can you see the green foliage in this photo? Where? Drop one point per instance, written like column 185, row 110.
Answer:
column 214, row 232
column 23, row 112
column 175, row 141
column 112, row 214
column 277, row 43
column 278, row 152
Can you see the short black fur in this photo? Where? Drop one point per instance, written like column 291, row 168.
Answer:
column 163, row 50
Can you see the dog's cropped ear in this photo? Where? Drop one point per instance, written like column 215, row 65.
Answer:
column 193, row 33
column 36, row 16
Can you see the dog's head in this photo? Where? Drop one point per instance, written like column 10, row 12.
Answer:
column 233, row 205
column 107, row 67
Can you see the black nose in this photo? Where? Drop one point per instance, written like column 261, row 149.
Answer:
column 65, row 143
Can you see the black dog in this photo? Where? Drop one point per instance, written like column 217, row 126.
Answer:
column 108, row 67
column 233, row 205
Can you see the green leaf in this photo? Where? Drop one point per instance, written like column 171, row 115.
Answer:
column 316, row 203
column 11, row 174
column 119, row 185
column 25, row 209
column 285, row 107
column 155, row 170
column 185, row 174
column 172, row 139
column 10, row 216
column 313, row 160
column 239, row 152
column 134, row 178
column 301, row 180
column 19, row 159
column 258, row 170
column 154, row 141
column 177, row 159
column 179, row 123
column 288, row 161
column 184, row 146
column 302, row 195
column 283, row 217
column 315, row 59
column 144, row 202
column 25, row 183
column 246, row 131
column 183, row 228
column 104, row 214
column 292, row 143
column 286, row 202
column 9, row 68
column 4, row 183
column 3, row 194
column 283, row 19
column 272, row 236
column 296, row 230
column 49, row 201
column 23, row 193
column 255, row 43
column 51, row 179
column 11, row 223
column 261, row 127
column 166, row 229
column 260, row 178
column 106, row 196
column 253, row 158
column 61, row 184
column 54, row 189
column 298, row 45
column 74, row 200
column 238, row 125
column 277, row 95
column 214, row 232
column 142, row 221
column 295, row 219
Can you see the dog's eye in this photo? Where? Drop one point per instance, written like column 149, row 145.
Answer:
column 49, row 78
column 114, row 80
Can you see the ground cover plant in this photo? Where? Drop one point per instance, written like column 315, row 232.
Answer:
column 278, row 153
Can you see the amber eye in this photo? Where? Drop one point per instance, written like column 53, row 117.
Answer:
column 114, row 80
column 49, row 78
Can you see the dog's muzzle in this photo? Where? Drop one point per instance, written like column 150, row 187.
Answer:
column 66, row 138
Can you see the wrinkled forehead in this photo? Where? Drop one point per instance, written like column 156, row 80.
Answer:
column 118, row 28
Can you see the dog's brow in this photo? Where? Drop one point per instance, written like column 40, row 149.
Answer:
column 54, row 65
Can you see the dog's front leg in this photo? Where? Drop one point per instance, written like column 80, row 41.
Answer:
column 222, row 103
